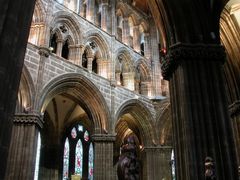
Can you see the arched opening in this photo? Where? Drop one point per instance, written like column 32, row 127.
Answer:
column 53, row 43
column 95, row 65
column 84, row 59
column 65, row 49
column 66, row 149
column 142, row 44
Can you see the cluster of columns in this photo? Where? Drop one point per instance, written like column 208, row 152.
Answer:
column 201, row 123
column 234, row 110
column 23, row 147
column 156, row 163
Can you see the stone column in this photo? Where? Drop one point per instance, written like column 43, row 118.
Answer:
column 89, row 63
column 72, row 53
column 79, row 53
column 59, row 47
column 104, row 15
column 117, row 77
column 156, row 163
column 234, row 110
column 201, row 122
column 23, row 147
column 125, row 31
column 90, row 10
column 136, row 38
column 103, row 156
column 14, row 30
column 147, row 45
column 44, row 54
column 144, row 88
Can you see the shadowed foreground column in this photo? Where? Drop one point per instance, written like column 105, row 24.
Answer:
column 103, row 156
column 156, row 163
column 23, row 147
column 201, row 123
column 15, row 20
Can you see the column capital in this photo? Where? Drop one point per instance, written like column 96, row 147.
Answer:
column 44, row 51
column 190, row 52
column 103, row 138
column 31, row 118
column 234, row 109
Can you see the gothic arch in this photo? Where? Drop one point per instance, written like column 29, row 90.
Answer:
column 39, row 13
column 144, row 69
column 164, row 125
column 98, row 38
column 230, row 38
column 70, row 21
column 122, row 10
column 26, row 92
column 127, row 59
column 82, row 89
column 141, row 121
column 134, row 19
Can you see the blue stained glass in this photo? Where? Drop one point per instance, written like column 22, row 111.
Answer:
column 86, row 136
column 66, row 160
column 79, row 158
column 90, row 162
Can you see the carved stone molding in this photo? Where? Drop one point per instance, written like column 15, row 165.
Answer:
column 43, row 51
column 234, row 109
column 190, row 52
column 103, row 138
column 26, row 119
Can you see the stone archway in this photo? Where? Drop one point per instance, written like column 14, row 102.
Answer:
column 134, row 119
column 65, row 101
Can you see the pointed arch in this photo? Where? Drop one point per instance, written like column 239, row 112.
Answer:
column 82, row 89
column 126, row 58
column 100, row 41
column 164, row 124
column 141, row 121
column 26, row 92
column 70, row 21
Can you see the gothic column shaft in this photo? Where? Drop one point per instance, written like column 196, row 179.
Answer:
column 90, row 10
column 59, row 47
column 89, row 64
column 104, row 16
column 125, row 31
column 23, row 147
column 103, row 159
column 14, row 30
column 200, row 119
column 136, row 38
column 234, row 110
column 147, row 45
column 156, row 163
column 79, row 53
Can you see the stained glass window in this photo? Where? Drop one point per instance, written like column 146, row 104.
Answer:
column 79, row 158
column 78, row 154
column 173, row 166
column 80, row 128
column 66, row 159
column 90, row 162
column 37, row 157
column 74, row 133
column 86, row 136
